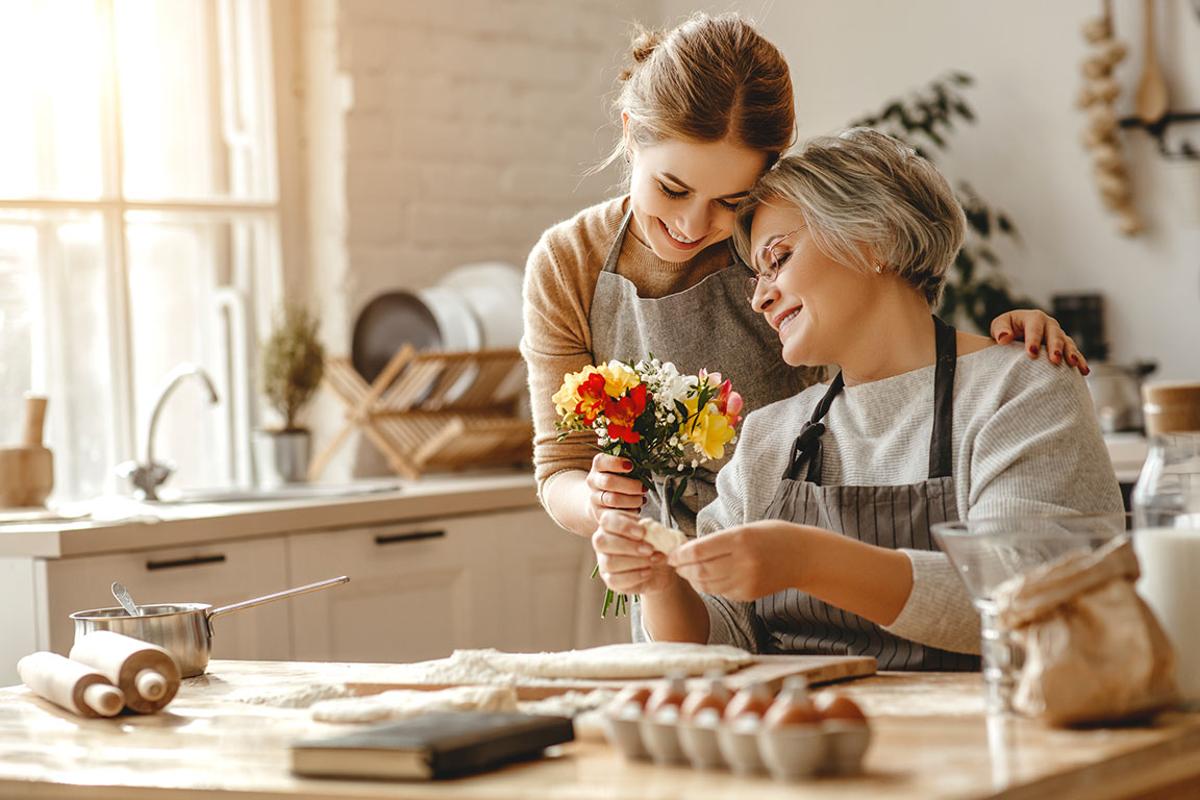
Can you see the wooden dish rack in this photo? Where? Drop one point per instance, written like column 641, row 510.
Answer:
column 420, row 417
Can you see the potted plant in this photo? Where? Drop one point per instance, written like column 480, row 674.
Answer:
column 293, row 363
column 976, row 290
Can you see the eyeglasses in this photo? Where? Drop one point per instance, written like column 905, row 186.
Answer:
column 770, row 263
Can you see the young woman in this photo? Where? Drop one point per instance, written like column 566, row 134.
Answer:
column 705, row 109
column 819, row 540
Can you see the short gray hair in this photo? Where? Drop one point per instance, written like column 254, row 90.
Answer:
column 869, row 201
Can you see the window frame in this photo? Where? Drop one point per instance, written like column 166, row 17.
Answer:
column 272, row 46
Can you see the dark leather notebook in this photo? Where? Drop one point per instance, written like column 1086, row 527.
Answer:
column 435, row 745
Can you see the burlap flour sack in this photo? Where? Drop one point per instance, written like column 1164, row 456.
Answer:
column 1094, row 651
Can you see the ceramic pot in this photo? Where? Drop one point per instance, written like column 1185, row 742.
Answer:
column 281, row 456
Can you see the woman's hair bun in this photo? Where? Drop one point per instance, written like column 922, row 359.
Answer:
column 645, row 42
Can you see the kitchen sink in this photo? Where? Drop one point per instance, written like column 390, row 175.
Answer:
column 294, row 491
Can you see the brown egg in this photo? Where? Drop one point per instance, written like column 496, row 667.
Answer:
column 669, row 693
column 712, row 696
column 839, row 707
column 632, row 695
column 754, row 700
column 793, row 706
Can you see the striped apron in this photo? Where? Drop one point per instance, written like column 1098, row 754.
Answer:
column 887, row 516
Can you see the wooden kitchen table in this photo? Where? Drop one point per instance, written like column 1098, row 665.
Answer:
column 932, row 740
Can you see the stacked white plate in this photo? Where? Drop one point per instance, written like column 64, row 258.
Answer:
column 475, row 306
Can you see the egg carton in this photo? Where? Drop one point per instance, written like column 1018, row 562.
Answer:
column 789, row 753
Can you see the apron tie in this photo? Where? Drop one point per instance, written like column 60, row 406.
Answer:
column 806, row 447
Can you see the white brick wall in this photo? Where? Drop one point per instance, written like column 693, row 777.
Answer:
column 442, row 132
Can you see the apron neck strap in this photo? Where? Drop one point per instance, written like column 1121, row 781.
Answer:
column 807, row 447
column 614, row 252
column 941, row 440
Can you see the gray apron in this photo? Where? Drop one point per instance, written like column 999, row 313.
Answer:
column 890, row 516
column 709, row 326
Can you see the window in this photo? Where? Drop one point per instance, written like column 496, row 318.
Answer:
column 139, row 227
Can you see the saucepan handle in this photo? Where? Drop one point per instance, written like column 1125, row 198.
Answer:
column 270, row 598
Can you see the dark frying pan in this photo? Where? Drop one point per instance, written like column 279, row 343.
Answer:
column 385, row 324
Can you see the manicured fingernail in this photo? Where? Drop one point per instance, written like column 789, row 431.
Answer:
column 1072, row 359
column 627, row 464
column 1033, row 349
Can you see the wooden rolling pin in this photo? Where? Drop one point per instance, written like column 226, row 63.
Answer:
column 145, row 673
column 71, row 685
column 27, row 471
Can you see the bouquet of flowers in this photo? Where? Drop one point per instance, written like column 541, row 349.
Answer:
column 665, row 423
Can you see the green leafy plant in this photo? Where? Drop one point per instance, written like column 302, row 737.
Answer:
column 975, row 288
column 293, row 363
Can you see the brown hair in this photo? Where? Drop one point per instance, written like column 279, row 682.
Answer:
column 708, row 79
column 870, row 202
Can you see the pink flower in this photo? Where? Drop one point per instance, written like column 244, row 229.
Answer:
column 729, row 403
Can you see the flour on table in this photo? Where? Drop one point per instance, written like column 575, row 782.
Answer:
column 404, row 703
column 290, row 696
column 661, row 537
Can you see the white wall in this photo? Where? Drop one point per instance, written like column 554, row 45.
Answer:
column 443, row 132
column 1024, row 156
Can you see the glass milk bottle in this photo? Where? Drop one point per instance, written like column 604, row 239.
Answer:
column 1166, row 519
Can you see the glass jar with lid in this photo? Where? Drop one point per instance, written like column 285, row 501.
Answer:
column 1166, row 520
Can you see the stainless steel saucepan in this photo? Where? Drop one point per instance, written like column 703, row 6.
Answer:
column 184, row 629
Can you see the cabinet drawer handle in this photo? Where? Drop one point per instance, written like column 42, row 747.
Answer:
column 194, row 561
column 415, row 536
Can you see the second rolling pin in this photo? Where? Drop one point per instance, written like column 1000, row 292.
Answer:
column 71, row 685
column 145, row 673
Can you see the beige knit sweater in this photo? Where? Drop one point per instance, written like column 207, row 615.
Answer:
column 560, row 280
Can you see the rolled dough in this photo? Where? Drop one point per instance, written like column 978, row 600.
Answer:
column 660, row 537
column 637, row 660
column 403, row 703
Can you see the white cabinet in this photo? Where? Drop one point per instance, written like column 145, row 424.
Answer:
column 417, row 591
column 551, row 601
column 217, row 574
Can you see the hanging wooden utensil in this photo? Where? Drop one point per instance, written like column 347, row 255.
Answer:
column 1150, row 103
column 27, row 471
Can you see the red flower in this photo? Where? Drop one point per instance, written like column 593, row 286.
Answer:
column 729, row 403
column 593, row 398
column 623, row 413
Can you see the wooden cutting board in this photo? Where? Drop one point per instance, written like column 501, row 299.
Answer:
column 772, row 670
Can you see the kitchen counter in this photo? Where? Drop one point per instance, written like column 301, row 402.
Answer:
column 931, row 741
column 167, row 524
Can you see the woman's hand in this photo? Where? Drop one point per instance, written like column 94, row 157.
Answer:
column 610, row 489
column 1035, row 328
column 742, row 563
column 626, row 562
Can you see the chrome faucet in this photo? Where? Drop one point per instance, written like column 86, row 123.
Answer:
column 148, row 476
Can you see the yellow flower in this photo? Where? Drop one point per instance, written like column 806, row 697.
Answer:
column 566, row 399
column 618, row 378
column 709, row 432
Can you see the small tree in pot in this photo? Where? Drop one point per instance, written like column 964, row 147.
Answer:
column 293, row 363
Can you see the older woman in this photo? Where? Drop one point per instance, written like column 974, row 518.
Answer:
column 819, row 539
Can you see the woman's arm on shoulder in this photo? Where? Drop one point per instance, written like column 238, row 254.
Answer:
column 1040, row 450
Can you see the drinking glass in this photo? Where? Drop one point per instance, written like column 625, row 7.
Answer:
column 988, row 552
